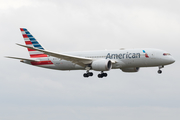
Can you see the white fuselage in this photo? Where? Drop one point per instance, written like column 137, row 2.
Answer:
column 125, row 58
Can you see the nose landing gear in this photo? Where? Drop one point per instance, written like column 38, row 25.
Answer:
column 160, row 71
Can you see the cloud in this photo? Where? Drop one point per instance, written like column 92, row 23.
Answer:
column 89, row 113
column 14, row 4
column 37, row 93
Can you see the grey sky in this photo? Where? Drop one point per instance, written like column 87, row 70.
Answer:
column 28, row 92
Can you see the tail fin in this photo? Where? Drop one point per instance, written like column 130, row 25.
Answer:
column 31, row 41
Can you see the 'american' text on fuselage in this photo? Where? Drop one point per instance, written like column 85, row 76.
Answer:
column 123, row 56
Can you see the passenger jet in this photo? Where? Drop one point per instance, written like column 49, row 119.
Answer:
column 128, row 60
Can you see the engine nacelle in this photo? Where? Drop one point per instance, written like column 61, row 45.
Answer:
column 101, row 65
column 130, row 69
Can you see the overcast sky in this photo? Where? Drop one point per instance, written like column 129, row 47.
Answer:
column 32, row 93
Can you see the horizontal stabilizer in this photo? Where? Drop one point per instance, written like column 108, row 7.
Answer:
column 28, row 59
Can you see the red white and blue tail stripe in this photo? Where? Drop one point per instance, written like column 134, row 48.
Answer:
column 31, row 41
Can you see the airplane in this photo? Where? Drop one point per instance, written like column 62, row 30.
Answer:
column 128, row 60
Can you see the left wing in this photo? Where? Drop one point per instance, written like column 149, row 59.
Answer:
column 82, row 61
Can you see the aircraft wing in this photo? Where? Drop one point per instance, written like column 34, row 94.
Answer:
column 32, row 60
column 82, row 61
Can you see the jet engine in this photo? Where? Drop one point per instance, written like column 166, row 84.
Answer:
column 130, row 69
column 101, row 65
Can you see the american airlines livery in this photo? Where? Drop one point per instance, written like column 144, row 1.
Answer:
column 128, row 60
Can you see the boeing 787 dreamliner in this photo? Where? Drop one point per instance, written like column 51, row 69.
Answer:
column 128, row 60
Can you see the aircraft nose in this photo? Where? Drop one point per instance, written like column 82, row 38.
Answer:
column 171, row 60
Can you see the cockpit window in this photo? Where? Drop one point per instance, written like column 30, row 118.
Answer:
column 165, row 54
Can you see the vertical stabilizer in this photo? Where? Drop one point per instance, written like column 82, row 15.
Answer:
column 31, row 41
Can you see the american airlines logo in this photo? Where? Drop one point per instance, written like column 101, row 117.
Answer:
column 146, row 55
column 123, row 56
